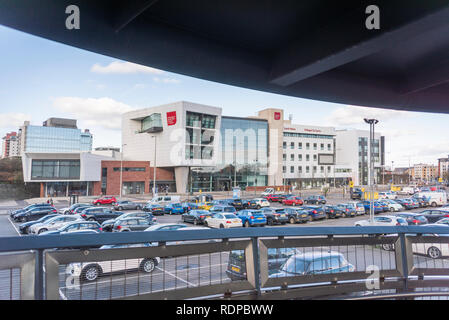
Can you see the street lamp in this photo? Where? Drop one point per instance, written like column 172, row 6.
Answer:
column 121, row 171
column 371, row 122
column 154, row 168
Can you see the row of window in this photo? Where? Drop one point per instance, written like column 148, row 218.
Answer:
column 292, row 157
column 306, row 135
column 55, row 169
column 194, row 119
column 314, row 168
column 315, row 146
column 130, row 169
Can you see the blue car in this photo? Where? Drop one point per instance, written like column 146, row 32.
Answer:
column 315, row 212
column 252, row 218
column 310, row 263
column 378, row 208
column 187, row 206
column 174, row 208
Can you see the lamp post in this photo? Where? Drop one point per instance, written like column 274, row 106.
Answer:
column 371, row 122
column 121, row 171
column 154, row 168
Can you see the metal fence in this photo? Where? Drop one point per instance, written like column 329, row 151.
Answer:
column 244, row 263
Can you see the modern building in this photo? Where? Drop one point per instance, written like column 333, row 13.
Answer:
column 353, row 155
column 11, row 145
column 425, row 173
column 443, row 168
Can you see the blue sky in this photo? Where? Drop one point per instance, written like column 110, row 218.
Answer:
column 41, row 79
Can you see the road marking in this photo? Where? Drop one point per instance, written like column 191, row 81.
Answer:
column 174, row 276
column 14, row 227
column 62, row 295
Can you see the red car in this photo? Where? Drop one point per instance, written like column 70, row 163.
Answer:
column 104, row 200
column 274, row 197
column 293, row 201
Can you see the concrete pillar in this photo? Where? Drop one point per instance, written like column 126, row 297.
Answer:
column 181, row 178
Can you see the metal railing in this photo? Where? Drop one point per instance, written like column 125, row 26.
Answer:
column 243, row 263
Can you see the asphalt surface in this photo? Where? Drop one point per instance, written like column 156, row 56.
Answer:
column 192, row 271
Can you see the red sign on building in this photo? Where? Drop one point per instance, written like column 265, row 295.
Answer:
column 277, row 116
column 171, row 118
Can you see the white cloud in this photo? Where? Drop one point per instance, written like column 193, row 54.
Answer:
column 123, row 68
column 12, row 120
column 166, row 80
column 101, row 112
column 352, row 115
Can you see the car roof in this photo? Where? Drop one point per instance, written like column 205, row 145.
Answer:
column 310, row 256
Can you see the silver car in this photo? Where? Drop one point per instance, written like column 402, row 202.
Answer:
column 127, row 205
column 54, row 223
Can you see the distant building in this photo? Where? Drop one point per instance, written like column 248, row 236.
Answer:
column 11, row 145
column 425, row 172
column 443, row 168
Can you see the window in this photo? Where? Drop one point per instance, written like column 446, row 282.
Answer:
column 292, row 145
column 300, row 169
column 55, row 169
column 329, row 147
column 292, row 169
column 322, row 146
column 152, row 123
column 314, row 146
column 284, row 145
column 307, row 157
column 299, row 157
column 307, row 169
column 284, row 169
column 292, row 157
column 322, row 169
column 307, row 146
column 314, row 169
column 315, row 157
column 299, row 145
column 328, row 169
column 284, row 157
column 130, row 169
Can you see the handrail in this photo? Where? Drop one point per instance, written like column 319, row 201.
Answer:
column 9, row 244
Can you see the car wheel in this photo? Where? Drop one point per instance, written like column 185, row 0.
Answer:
column 139, row 208
column 310, row 218
column 391, row 209
column 90, row 273
column 388, row 246
column 270, row 222
column 205, row 223
column 195, row 222
column 434, row 204
column 247, row 224
column 91, row 219
column 119, row 208
column 221, row 226
column 434, row 253
column 98, row 203
column 258, row 207
column 23, row 219
column 148, row 265
column 42, row 230
column 292, row 220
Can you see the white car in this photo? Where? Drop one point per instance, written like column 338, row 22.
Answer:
column 388, row 195
column 54, row 223
column 393, row 206
column 358, row 207
column 91, row 271
column 382, row 221
column 223, row 220
column 171, row 227
column 262, row 202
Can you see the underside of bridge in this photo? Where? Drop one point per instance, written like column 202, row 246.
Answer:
column 316, row 49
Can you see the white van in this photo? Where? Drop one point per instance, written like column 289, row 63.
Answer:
column 407, row 191
column 165, row 200
column 435, row 198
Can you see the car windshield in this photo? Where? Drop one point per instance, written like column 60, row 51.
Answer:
column 229, row 209
column 230, row 216
column 295, row 265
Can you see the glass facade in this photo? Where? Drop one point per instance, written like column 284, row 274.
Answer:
column 62, row 189
column 55, row 169
column 152, row 123
column 58, row 140
column 242, row 157
column 200, row 135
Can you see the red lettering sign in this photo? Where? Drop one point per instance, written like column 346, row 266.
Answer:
column 171, row 118
column 277, row 116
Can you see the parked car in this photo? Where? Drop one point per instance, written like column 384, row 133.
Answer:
column 91, row 271
column 315, row 212
column 13, row 213
column 223, row 220
column 163, row 200
column 377, row 207
column 357, row 194
column 155, row 209
column 444, row 221
column 187, row 206
column 54, row 223
column 34, row 213
column 358, row 207
column 127, row 205
column 236, row 269
column 99, row 214
column 174, row 208
column 274, row 197
column 387, row 195
column 222, row 209
column 109, row 224
column 131, row 224
column 80, row 209
column 293, row 201
column 275, row 216
column 433, row 215
column 315, row 200
column 413, row 218
column 205, row 205
column 423, row 202
column 75, row 227
column 167, row 227
column 71, row 209
column 348, row 211
column 382, row 221
column 24, row 228
column 297, row 215
column 408, row 204
column 104, row 201
column 384, row 205
column 238, row 204
column 333, row 211
column 252, row 218
column 310, row 263
column 432, row 250
column 258, row 203
column 393, row 205
column 435, row 198
column 196, row 216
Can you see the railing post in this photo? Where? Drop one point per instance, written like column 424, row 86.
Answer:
column 256, row 263
column 39, row 275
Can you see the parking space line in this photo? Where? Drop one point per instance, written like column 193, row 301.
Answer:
column 174, row 276
column 9, row 219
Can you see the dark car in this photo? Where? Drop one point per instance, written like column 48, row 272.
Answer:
column 131, row 224
column 127, row 205
column 238, row 204
column 236, row 269
column 357, row 194
column 75, row 227
column 253, row 204
column 423, row 202
column 384, row 205
column 315, row 200
column 37, row 205
column 80, row 209
column 108, row 224
column 196, row 216
column 315, row 212
column 413, row 218
column 333, row 212
column 155, row 209
column 208, row 198
column 73, row 207
column 25, row 227
column 297, row 215
column 275, row 216
column 99, row 214
column 348, row 211
column 433, row 215
column 222, row 209
column 34, row 214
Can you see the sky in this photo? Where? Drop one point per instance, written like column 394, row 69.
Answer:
column 40, row 79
